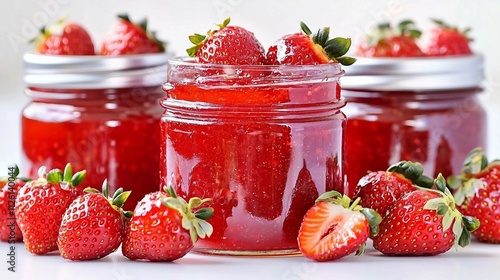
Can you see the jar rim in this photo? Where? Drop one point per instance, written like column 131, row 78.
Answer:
column 415, row 73
column 94, row 71
column 184, row 70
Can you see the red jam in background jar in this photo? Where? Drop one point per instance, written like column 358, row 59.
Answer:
column 416, row 109
column 262, row 141
column 100, row 114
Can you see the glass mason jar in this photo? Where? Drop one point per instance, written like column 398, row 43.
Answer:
column 98, row 113
column 262, row 141
column 417, row 109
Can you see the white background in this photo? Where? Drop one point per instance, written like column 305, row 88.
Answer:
column 175, row 20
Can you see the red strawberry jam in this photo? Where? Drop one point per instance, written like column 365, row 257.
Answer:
column 423, row 110
column 108, row 125
column 255, row 140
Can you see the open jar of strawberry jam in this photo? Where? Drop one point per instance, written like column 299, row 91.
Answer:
column 415, row 109
column 262, row 141
column 100, row 114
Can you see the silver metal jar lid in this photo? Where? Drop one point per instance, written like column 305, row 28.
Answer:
column 415, row 74
column 95, row 72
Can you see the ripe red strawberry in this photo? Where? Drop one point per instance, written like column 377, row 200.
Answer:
column 93, row 225
column 334, row 228
column 231, row 45
column 448, row 40
column 164, row 227
column 477, row 192
column 388, row 41
column 40, row 205
column 126, row 37
column 307, row 49
column 64, row 38
column 10, row 185
column 379, row 190
column 424, row 222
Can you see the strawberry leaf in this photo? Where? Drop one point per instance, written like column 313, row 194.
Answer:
column 105, row 190
column 121, row 198
column 68, row 173
column 204, row 213
column 305, row 28
column 464, row 239
column 346, row 60
column 197, row 38
column 55, row 176
column 337, row 47
column 322, row 36
column 91, row 190
column 470, row 223
column 78, row 177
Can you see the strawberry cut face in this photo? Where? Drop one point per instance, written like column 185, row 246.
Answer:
column 329, row 231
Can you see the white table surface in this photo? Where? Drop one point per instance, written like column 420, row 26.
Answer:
column 477, row 261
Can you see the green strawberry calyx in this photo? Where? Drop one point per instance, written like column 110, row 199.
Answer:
column 335, row 49
column 66, row 179
column 194, row 218
column 413, row 171
column 199, row 39
column 465, row 185
column 143, row 25
column 373, row 218
column 445, row 206
column 385, row 30
column 116, row 200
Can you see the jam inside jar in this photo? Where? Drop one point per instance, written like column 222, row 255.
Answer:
column 262, row 141
column 100, row 114
column 424, row 110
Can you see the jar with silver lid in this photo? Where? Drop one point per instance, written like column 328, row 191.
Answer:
column 98, row 113
column 417, row 109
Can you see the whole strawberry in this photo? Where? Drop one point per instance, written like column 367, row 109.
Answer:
column 448, row 40
column 164, row 227
column 126, row 37
column 424, row 222
column 64, row 38
column 379, row 190
column 389, row 41
column 93, row 225
column 305, row 48
column 477, row 193
column 334, row 227
column 10, row 185
column 40, row 206
column 230, row 45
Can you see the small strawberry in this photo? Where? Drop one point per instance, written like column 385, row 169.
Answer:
column 10, row 186
column 93, row 225
column 64, row 38
column 379, row 190
column 126, row 37
column 40, row 206
column 388, row 41
column 477, row 192
column 306, row 48
column 164, row 227
column 448, row 40
column 334, row 227
column 231, row 45
column 424, row 222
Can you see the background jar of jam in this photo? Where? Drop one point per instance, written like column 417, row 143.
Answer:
column 98, row 113
column 416, row 109
column 262, row 141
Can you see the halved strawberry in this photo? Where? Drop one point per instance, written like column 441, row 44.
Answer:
column 307, row 49
column 231, row 45
column 448, row 40
column 334, row 227
column 389, row 41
